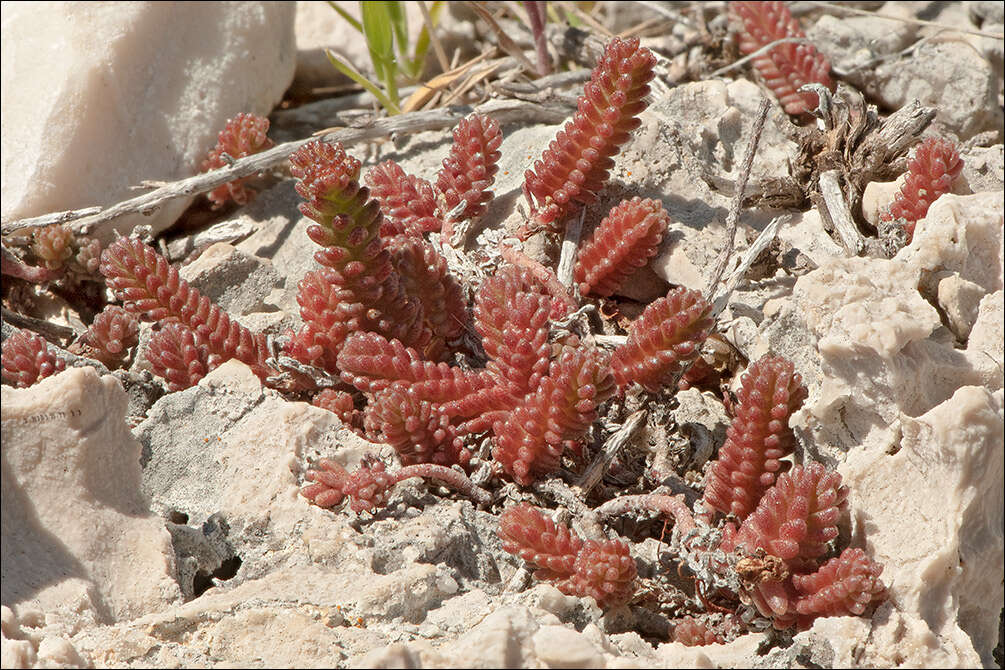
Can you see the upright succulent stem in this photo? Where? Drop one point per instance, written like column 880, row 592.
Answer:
column 666, row 336
column 930, row 174
column 787, row 66
column 758, row 437
column 576, row 164
column 149, row 286
column 244, row 135
column 623, row 242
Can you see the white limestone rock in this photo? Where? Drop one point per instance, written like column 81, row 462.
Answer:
column 929, row 507
column 881, row 351
column 984, row 168
column 959, row 83
column 78, row 533
column 561, row 647
column 713, row 120
column 961, row 234
column 235, row 281
column 25, row 645
column 959, row 300
column 877, row 198
column 987, row 340
column 100, row 96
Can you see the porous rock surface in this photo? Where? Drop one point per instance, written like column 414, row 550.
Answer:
column 952, row 72
column 79, row 541
column 101, row 95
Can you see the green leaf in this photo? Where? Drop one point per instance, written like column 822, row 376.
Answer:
column 347, row 16
column 399, row 24
column 379, row 32
column 418, row 61
column 374, row 90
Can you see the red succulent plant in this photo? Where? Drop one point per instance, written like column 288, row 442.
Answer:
column 784, row 67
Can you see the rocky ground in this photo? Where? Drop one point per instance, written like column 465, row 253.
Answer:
column 144, row 528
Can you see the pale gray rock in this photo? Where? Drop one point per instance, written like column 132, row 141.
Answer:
column 235, row 433
column 99, row 96
column 703, row 128
column 984, row 168
column 943, row 473
column 877, row 198
column 958, row 82
column 561, row 647
column 986, row 11
column 855, row 44
column 78, row 532
column 805, row 233
column 237, row 282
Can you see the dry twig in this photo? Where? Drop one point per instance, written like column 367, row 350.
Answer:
column 732, row 219
column 504, row 111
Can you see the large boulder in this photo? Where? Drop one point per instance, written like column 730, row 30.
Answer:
column 99, row 96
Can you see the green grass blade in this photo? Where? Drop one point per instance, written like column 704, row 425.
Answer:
column 374, row 90
column 347, row 16
column 379, row 32
column 399, row 24
column 418, row 61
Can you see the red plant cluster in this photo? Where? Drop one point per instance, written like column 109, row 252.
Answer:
column 930, row 174
column 783, row 541
column 604, row 571
column 150, row 287
column 53, row 245
column 788, row 517
column 368, row 487
column 26, row 359
column 244, row 135
column 383, row 316
column 413, row 206
column 179, row 356
column 110, row 336
column 784, row 67
column 693, row 632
